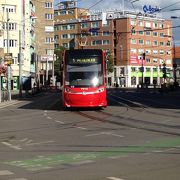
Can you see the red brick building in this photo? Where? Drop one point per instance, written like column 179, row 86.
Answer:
column 126, row 36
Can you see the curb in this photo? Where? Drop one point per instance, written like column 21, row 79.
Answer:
column 8, row 103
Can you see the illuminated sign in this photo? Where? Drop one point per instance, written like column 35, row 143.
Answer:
column 150, row 10
column 84, row 61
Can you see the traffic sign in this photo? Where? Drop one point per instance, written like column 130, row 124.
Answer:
column 110, row 15
column 8, row 58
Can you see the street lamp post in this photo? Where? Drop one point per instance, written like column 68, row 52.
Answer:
column 9, row 66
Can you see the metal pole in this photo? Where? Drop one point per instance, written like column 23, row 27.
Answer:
column 142, row 73
column 53, row 72
column 175, row 79
column 0, row 88
column 46, row 72
column 20, row 65
column 9, row 67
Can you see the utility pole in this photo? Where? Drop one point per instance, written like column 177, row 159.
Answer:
column 9, row 66
column 142, row 69
column 20, row 65
column 46, row 72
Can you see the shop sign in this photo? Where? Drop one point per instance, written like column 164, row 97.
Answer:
column 149, row 9
column 8, row 58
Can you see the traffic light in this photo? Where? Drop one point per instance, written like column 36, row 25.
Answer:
column 164, row 71
column 144, row 56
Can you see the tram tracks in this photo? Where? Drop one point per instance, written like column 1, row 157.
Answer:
column 133, row 119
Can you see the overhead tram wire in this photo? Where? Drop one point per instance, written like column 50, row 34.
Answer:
column 169, row 5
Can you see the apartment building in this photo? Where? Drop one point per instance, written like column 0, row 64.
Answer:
column 16, row 38
column 44, row 49
column 126, row 36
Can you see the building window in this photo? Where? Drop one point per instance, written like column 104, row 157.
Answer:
column 140, row 51
column 148, row 42
column 168, row 52
column 148, row 33
column 141, row 32
column 84, row 25
column 11, row 43
column 141, row 41
column 133, row 41
column 133, row 51
column 155, row 25
column 72, row 26
column 168, row 43
column 96, row 42
column 71, row 12
column 133, row 22
column 62, row 12
column 161, row 35
column 148, row 60
column 95, row 24
column 49, row 16
column 49, row 40
column 155, row 69
column 155, row 60
column 148, row 51
column 64, row 27
column 148, row 24
column 155, row 43
column 12, row 26
column 106, row 42
column 168, row 61
column 161, row 52
column 133, row 69
column 65, row 45
column 155, row 34
column 161, row 43
column 148, row 69
column 72, row 36
column 155, row 51
column 161, row 25
column 106, row 33
column 64, row 36
column 94, row 34
column 50, row 52
column 48, row 5
column 9, row 8
column 161, row 61
column 140, row 23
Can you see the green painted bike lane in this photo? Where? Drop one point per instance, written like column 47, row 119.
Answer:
column 47, row 162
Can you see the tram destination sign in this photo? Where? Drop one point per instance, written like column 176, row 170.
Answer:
column 84, row 61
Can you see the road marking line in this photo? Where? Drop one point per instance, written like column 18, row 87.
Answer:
column 59, row 122
column 18, row 179
column 45, row 142
column 5, row 172
column 114, row 178
column 11, row 146
column 79, row 127
column 49, row 117
column 104, row 133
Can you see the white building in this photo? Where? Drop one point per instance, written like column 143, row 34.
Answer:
column 17, row 37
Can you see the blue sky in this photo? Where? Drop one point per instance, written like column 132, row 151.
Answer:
column 169, row 8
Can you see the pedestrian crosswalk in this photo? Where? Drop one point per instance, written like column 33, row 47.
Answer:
column 6, row 174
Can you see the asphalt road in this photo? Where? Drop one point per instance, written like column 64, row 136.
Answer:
column 137, row 137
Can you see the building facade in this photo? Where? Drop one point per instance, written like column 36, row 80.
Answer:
column 44, row 49
column 27, row 35
column 17, row 39
column 124, row 35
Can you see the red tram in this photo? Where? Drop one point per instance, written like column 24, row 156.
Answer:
column 84, row 78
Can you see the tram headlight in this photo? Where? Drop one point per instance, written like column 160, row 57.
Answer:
column 100, row 90
column 95, row 81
